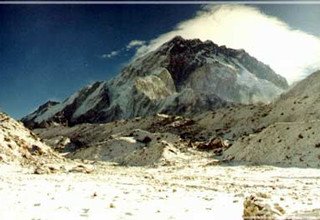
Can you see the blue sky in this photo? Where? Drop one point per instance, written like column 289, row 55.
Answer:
column 50, row 51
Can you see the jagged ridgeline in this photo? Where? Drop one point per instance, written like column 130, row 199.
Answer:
column 180, row 77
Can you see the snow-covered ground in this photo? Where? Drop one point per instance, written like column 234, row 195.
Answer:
column 169, row 192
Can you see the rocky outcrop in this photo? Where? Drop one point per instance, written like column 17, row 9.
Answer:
column 134, row 148
column 20, row 146
column 180, row 77
column 260, row 206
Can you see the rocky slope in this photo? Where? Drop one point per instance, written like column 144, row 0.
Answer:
column 301, row 103
column 291, row 144
column 181, row 76
column 290, row 137
column 20, row 145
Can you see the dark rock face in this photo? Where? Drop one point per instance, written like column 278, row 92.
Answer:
column 180, row 77
column 93, row 114
column 43, row 108
column 184, row 59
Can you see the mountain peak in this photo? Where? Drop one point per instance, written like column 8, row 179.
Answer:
column 176, row 39
column 182, row 76
column 48, row 104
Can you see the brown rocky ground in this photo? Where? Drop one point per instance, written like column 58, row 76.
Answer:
column 291, row 144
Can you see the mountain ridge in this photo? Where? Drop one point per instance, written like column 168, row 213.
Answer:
column 180, row 77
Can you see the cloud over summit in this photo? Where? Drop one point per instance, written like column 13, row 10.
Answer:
column 291, row 53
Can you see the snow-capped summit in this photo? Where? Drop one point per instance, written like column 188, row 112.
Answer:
column 181, row 76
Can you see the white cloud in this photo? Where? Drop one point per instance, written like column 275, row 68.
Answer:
column 291, row 53
column 132, row 45
column 111, row 54
column 135, row 43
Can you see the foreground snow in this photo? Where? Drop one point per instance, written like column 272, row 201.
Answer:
column 113, row 192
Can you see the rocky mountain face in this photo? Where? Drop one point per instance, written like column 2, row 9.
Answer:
column 182, row 76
